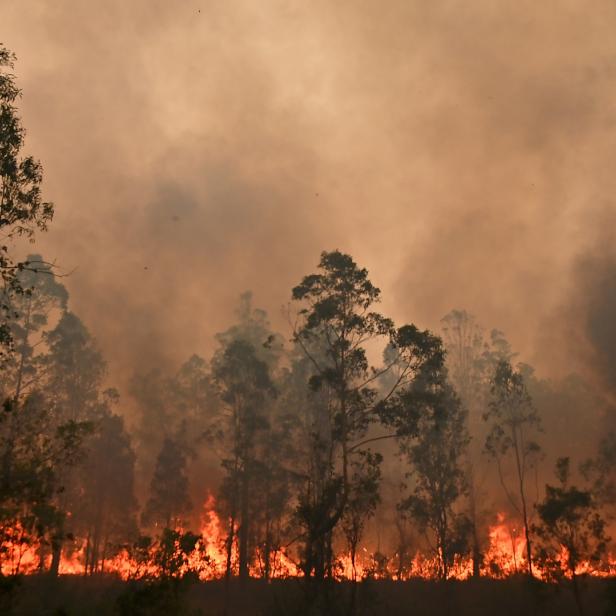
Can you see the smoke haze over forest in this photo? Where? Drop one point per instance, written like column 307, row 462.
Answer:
column 318, row 308
column 463, row 152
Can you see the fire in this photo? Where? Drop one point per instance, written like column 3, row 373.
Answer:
column 506, row 552
column 504, row 556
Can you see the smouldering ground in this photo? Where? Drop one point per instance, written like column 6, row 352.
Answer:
column 101, row 596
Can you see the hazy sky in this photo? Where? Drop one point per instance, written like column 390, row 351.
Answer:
column 462, row 151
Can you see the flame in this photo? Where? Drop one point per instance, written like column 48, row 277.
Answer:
column 506, row 552
column 504, row 556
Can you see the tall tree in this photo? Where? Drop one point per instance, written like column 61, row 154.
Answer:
column 22, row 371
column 512, row 421
column 105, row 512
column 22, row 209
column 471, row 360
column 363, row 500
column 245, row 385
column 334, row 327
column 437, row 457
column 169, row 501
column 31, row 514
column 74, row 370
column 182, row 403
column 43, row 298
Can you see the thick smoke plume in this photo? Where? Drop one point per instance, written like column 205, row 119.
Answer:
column 595, row 306
column 461, row 151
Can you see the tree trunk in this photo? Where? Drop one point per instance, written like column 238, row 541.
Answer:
column 529, row 557
column 243, row 530
column 56, row 554
column 476, row 548
column 576, row 594
column 229, row 546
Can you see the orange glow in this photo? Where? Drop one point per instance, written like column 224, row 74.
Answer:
column 504, row 556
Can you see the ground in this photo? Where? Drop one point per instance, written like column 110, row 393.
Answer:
column 102, row 596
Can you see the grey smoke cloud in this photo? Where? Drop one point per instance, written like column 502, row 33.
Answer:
column 461, row 151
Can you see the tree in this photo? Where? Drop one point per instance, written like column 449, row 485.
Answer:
column 74, row 370
column 437, row 457
column 512, row 419
column 169, row 501
column 23, row 372
column 571, row 531
column 30, row 496
column 333, row 329
column 244, row 384
column 22, row 209
column 182, row 403
column 466, row 356
column 54, row 401
column 252, row 326
column 363, row 500
column 105, row 511
column 471, row 360
column 42, row 296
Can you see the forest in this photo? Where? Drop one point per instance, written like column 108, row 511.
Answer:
column 345, row 465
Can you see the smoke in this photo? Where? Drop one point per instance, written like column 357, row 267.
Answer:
column 460, row 151
column 593, row 306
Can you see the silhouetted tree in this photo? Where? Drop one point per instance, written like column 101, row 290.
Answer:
column 512, row 420
column 43, row 295
column 169, row 501
column 22, row 372
column 471, row 360
column 363, row 499
column 105, row 511
column 22, row 209
column 181, row 403
column 245, row 386
column 74, row 370
column 437, row 458
column 571, row 532
column 334, row 326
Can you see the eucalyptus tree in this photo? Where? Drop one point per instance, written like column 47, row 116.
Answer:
column 169, row 500
column 245, row 385
column 513, row 421
column 43, row 300
column 436, row 456
column 74, row 371
column 179, row 406
column 105, row 513
column 336, row 322
column 22, row 208
column 471, row 360
column 23, row 370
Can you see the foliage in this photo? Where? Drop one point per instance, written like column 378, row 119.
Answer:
column 246, row 391
column 436, row 456
column 571, row 532
column 571, row 529
column 169, row 500
column 512, row 419
column 22, row 209
column 335, row 324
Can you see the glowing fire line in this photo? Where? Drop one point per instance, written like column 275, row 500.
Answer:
column 504, row 556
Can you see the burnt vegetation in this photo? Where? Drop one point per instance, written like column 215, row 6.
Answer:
column 349, row 465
